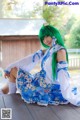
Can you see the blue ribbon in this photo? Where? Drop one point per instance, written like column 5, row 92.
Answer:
column 36, row 54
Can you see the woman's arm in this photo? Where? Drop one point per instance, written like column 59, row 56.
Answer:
column 69, row 92
column 61, row 55
column 26, row 63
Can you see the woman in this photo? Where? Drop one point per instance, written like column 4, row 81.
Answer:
column 52, row 84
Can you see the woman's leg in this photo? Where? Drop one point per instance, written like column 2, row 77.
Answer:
column 13, row 75
column 11, row 87
column 5, row 89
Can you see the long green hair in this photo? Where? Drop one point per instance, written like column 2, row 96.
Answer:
column 51, row 31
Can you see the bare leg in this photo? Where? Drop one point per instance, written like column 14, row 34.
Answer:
column 5, row 89
column 12, row 78
column 13, row 75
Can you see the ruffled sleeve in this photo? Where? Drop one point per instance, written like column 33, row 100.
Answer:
column 70, row 93
column 27, row 63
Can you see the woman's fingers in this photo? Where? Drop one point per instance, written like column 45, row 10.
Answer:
column 6, row 75
column 13, row 71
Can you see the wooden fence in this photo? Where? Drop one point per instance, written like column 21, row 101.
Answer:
column 74, row 63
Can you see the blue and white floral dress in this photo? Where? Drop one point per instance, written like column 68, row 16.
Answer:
column 40, row 87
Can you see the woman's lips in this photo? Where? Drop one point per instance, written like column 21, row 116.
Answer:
column 49, row 43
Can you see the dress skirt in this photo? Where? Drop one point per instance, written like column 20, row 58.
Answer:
column 34, row 89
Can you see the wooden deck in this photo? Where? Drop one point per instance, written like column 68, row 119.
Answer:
column 23, row 111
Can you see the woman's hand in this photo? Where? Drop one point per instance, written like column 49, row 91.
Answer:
column 6, row 75
column 13, row 71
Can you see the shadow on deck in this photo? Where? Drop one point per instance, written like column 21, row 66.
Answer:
column 23, row 111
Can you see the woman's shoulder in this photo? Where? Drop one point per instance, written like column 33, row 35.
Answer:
column 61, row 51
column 61, row 55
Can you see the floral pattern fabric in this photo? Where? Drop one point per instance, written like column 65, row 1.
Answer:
column 33, row 89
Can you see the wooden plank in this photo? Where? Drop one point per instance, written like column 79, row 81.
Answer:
column 15, row 50
column 65, row 112
column 19, row 109
column 77, row 109
column 1, row 104
column 19, row 37
column 23, row 111
column 42, row 113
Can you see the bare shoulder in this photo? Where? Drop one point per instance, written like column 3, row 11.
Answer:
column 61, row 55
column 62, row 51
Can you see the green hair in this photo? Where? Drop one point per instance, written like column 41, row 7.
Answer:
column 51, row 31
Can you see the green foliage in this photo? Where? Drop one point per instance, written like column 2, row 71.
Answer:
column 67, row 27
column 1, row 10
column 74, row 35
column 7, row 7
column 65, row 31
column 34, row 14
column 55, row 15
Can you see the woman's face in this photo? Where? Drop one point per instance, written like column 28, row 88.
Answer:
column 48, row 41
